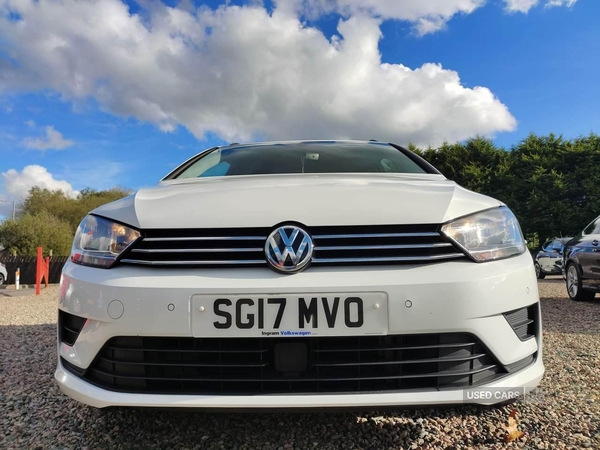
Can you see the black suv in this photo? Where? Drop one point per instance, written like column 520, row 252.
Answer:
column 581, row 263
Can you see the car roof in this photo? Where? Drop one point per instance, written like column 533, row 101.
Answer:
column 305, row 141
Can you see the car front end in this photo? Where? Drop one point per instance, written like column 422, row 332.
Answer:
column 299, row 291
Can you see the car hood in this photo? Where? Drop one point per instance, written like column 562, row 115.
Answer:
column 308, row 199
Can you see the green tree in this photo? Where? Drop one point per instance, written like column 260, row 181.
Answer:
column 50, row 218
column 68, row 209
column 551, row 183
column 29, row 231
column 476, row 164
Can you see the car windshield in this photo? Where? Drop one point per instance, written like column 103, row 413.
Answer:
column 300, row 158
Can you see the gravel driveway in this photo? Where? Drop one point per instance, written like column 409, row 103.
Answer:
column 565, row 412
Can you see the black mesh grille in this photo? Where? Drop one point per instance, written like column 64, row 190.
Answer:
column 523, row 321
column 69, row 327
column 292, row 365
column 242, row 247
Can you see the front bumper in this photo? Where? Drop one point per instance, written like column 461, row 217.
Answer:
column 449, row 297
column 522, row 383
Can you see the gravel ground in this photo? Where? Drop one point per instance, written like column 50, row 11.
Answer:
column 564, row 413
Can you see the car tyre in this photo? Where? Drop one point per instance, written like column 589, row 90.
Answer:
column 1, row 279
column 538, row 272
column 574, row 288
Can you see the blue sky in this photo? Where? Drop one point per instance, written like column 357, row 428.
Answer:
column 128, row 98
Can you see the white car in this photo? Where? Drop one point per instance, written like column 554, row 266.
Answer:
column 3, row 274
column 299, row 274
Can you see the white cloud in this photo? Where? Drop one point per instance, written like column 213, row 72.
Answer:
column 520, row 5
column 429, row 25
column 553, row 3
column 427, row 16
column 525, row 5
column 30, row 124
column 53, row 140
column 17, row 185
column 244, row 73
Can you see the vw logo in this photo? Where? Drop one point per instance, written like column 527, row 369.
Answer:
column 289, row 249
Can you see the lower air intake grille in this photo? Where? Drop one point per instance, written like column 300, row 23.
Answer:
column 523, row 321
column 292, row 365
column 69, row 327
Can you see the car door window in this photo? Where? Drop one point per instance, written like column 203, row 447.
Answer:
column 593, row 228
column 210, row 165
column 557, row 245
column 547, row 246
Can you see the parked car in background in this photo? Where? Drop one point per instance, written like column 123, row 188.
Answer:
column 3, row 274
column 582, row 263
column 549, row 259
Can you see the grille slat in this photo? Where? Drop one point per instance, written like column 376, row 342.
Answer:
column 183, row 350
column 523, row 324
column 206, row 238
column 307, row 380
column 190, row 263
column 297, row 365
column 178, row 363
column 194, row 250
column 416, row 361
column 334, row 245
column 70, row 330
column 386, row 259
column 383, row 247
column 383, row 349
column 375, row 235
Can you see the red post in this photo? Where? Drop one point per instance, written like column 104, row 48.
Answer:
column 42, row 271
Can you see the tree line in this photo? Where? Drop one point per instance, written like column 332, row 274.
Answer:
column 552, row 184
column 50, row 218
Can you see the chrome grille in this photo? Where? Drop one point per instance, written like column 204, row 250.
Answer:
column 295, row 365
column 200, row 248
column 340, row 245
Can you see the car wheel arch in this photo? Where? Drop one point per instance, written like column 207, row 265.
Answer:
column 574, row 262
column 581, row 293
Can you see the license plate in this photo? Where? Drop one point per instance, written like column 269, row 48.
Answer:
column 290, row 315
